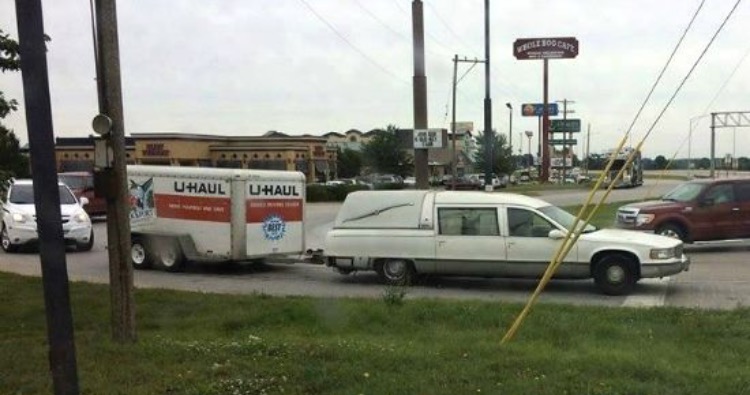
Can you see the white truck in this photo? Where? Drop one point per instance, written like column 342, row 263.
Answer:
column 180, row 214
column 400, row 234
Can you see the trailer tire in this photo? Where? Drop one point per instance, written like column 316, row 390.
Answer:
column 140, row 256
column 396, row 271
column 168, row 255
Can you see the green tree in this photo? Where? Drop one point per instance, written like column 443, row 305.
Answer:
column 660, row 162
column 349, row 163
column 12, row 162
column 385, row 154
column 502, row 162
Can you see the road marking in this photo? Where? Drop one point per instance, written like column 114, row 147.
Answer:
column 653, row 296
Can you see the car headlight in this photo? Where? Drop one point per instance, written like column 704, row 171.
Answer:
column 20, row 218
column 662, row 253
column 643, row 219
column 81, row 217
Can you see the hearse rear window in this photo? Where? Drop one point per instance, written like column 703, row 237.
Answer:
column 468, row 222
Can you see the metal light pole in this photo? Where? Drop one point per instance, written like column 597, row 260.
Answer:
column 510, row 133
column 529, row 133
column 487, row 101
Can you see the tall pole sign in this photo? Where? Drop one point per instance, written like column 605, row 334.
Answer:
column 545, row 49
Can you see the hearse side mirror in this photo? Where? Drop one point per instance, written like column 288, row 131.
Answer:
column 556, row 234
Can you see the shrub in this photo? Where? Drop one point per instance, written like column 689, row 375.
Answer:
column 331, row 193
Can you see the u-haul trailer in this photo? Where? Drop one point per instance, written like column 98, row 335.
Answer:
column 180, row 214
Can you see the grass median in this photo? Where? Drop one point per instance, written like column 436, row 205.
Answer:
column 192, row 343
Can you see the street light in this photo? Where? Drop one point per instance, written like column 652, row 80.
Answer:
column 529, row 133
column 510, row 133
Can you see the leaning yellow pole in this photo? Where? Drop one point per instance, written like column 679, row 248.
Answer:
column 565, row 246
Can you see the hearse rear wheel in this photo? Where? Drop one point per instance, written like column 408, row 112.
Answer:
column 396, row 271
column 615, row 274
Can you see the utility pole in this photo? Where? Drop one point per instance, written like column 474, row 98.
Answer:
column 487, row 101
column 510, row 134
column 456, row 60
column 588, row 145
column 118, row 225
column 420, row 93
column 565, row 112
column 62, row 352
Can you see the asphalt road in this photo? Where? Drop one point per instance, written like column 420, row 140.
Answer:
column 719, row 276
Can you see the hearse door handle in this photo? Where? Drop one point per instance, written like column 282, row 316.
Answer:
column 735, row 209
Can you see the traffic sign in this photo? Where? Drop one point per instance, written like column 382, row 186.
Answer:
column 565, row 125
column 563, row 142
column 537, row 109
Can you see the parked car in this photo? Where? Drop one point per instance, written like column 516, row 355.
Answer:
column 699, row 210
column 497, row 182
column 400, row 234
column 465, row 183
column 410, row 182
column 19, row 223
column 82, row 185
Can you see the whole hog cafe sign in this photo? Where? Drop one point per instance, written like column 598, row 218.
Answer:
column 545, row 48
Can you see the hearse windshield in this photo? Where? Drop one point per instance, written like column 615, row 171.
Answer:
column 564, row 218
column 685, row 192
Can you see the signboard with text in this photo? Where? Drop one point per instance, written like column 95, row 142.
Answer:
column 563, row 142
column 537, row 109
column 546, row 48
column 565, row 125
column 428, row 138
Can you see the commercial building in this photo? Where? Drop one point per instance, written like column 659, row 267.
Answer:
column 273, row 151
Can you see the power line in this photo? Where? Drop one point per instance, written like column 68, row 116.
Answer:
column 354, row 47
column 664, row 69
column 695, row 64
column 380, row 21
column 726, row 81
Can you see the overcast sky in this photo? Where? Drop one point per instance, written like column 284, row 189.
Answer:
column 239, row 67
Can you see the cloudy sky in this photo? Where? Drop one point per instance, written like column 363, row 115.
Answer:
column 239, row 67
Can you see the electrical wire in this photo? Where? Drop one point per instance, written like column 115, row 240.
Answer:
column 351, row 45
column 695, row 64
column 664, row 69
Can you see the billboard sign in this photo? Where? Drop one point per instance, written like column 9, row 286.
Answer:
column 537, row 109
column 565, row 125
column 545, row 48
column 428, row 138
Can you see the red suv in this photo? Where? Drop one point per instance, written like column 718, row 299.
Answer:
column 698, row 210
column 82, row 185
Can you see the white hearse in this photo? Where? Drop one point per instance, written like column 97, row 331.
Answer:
column 400, row 234
column 180, row 214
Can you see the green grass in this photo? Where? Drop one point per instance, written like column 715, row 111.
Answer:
column 191, row 343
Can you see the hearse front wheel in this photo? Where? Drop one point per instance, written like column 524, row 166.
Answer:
column 615, row 274
column 396, row 271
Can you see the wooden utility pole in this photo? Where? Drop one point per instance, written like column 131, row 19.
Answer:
column 62, row 351
column 118, row 225
column 456, row 60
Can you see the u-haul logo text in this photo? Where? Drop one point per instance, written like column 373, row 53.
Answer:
column 204, row 188
column 273, row 190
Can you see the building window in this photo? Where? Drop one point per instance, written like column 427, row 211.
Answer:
column 127, row 155
column 223, row 156
column 86, row 156
column 353, row 139
column 244, row 156
column 75, row 155
column 65, row 156
column 234, row 156
column 268, row 156
column 255, row 156
column 278, row 155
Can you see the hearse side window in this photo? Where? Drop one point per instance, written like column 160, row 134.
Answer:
column 468, row 222
column 722, row 193
column 525, row 223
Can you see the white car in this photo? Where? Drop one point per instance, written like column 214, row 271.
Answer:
column 400, row 234
column 18, row 226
